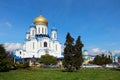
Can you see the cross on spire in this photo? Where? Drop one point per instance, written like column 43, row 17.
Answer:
column 40, row 12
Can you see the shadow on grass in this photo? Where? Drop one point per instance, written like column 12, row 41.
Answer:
column 116, row 69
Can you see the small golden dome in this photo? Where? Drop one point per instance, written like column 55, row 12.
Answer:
column 40, row 20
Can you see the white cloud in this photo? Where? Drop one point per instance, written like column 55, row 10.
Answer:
column 6, row 24
column 116, row 52
column 96, row 51
column 12, row 46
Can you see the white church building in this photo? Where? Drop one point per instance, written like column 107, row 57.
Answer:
column 38, row 42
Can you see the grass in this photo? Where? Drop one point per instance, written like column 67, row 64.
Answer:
column 57, row 74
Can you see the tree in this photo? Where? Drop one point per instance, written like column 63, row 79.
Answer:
column 48, row 59
column 72, row 53
column 78, row 59
column 102, row 60
column 4, row 62
column 119, row 59
column 2, row 50
column 68, row 53
column 97, row 60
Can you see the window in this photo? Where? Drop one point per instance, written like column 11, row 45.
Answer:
column 42, row 30
column 38, row 30
column 45, row 31
column 20, row 52
column 54, row 35
column 40, row 44
column 32, row 32
column 45, row 44
column 56, row 47
column 33, row 45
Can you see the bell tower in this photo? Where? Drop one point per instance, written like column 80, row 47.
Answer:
column 54, row 34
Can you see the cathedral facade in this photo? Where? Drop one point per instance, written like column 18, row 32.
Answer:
column 38, row 42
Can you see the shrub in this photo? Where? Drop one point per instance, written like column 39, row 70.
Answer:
column 23, row 65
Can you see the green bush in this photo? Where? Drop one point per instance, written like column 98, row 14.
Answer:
column 48, row 60
column 4, row 65
column 4, row 61
column 23, row 65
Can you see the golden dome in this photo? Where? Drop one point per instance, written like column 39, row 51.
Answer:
column 40, row 20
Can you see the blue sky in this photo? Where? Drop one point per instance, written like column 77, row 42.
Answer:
column 96, row 21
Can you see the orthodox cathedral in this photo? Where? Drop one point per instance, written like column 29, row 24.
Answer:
column 38, row 42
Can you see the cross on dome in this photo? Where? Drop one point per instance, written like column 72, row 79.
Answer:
column 40, row 20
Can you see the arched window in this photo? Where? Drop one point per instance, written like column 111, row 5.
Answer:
column 56, row 47
column 39, row 30
column 54, row 35
column 20, row 52
column 42, row 30
column 33, row 33
column 45, row 44
column 45, row 31
column 33, row 45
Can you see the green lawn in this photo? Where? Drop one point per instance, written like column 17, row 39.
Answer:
column 56, row 74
